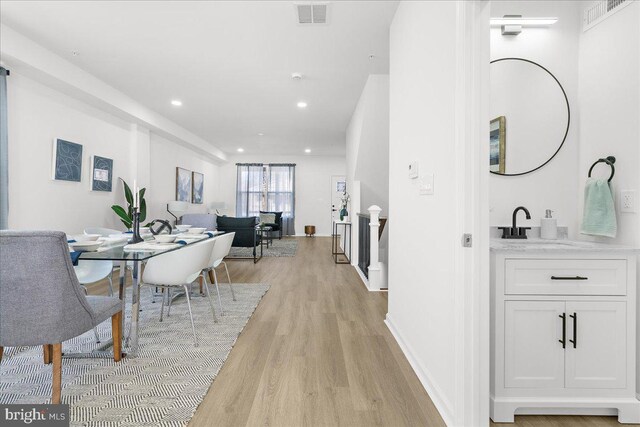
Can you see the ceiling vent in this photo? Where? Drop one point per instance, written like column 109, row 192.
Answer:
column 601, row 11
column 312, row 13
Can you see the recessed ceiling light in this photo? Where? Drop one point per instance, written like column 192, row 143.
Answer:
column 372, row 57
column 308, row 150
column 176, row 103
column 260, row 134
column 296, row 76
column 302, row 104
column 240, row 150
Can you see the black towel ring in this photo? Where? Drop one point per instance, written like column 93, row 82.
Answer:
column 610, row 161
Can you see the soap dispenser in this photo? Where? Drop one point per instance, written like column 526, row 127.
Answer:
column 548, row 226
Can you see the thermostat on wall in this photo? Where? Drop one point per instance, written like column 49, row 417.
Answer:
column 413, row 170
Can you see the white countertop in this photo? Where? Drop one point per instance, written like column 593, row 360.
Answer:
column 557, row 246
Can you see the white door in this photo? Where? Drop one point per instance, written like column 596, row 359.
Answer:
column 338, row 187
column 534, row 354
column 596, row 344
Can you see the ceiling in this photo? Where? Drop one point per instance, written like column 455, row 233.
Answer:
column 229, row 62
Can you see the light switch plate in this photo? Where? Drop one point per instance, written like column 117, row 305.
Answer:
column 426, row 186
column 627, row 201
column 413, row 170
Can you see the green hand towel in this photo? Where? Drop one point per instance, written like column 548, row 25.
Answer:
column 599, row 218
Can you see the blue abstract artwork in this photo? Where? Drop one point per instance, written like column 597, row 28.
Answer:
column 198, row 187
column 183, row 185
column 67, row 161
column 101, row 173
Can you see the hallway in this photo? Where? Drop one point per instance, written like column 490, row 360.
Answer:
column 316, row 352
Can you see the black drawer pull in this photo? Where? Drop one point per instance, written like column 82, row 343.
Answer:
column 563, row 316
column 569, row 278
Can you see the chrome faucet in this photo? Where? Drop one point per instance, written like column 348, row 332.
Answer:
column 515, row 232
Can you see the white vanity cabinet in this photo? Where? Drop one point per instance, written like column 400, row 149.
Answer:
column 563, row 330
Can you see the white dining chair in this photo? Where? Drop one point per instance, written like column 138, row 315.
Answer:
column 89, row 272
column 179, row 269
column 220, row 250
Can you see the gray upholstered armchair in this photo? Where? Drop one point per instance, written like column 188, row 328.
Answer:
column 37, row 263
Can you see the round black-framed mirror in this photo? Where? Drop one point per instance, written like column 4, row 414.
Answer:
column 499, row 125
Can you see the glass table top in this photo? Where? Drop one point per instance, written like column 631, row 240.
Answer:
column 118, row 253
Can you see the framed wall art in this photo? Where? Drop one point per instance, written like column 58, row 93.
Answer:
column 66, row 161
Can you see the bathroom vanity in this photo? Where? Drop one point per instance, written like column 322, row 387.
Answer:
column 563, row 329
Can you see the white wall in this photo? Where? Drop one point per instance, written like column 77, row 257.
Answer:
column 367, row 140
column 421, row 244
column 556, row 48
column 313, row 186
column 372, row 162
column 165, row 157
column 38, row 114
column 610, row 108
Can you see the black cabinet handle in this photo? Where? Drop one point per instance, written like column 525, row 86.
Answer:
column 574, row 341
column 563, row 316
column 569, row 278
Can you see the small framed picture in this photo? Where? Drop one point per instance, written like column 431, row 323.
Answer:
column 66, row 161
column 183, row 185
column 197, row 181
column 497, row 144
column 101, row 173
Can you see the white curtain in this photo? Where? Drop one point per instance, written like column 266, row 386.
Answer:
column 281, row 194
column 249, row 189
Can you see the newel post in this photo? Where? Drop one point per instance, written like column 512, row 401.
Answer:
column 375, row 278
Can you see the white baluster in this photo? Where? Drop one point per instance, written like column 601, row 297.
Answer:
column 375, row 276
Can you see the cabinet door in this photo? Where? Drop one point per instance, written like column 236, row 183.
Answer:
column 598, row 358
column 534, row 357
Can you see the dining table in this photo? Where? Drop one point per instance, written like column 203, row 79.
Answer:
column 127, row 254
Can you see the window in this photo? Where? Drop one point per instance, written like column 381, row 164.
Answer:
column 266, row 188
column 249, row 189
column 280, row 190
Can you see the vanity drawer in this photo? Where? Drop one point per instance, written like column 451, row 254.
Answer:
column 566, row 276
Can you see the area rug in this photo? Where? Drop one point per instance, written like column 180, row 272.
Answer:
column 162, row 386
column 287, row 247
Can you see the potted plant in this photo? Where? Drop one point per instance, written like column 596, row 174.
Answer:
column 345, row 201
column 126, row 215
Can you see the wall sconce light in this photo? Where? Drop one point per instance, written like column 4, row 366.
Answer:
column 511, row 25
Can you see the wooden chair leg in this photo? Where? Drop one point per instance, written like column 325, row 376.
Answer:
column 1, row 351
column 116, row 334
column 57, row 373
column 47, row 352
column 200, row 282
column 211, row 278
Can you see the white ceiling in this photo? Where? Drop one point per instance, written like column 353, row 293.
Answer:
column 229, row 62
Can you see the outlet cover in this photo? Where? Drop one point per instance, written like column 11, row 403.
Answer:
column 426, row 186
column 627, row 201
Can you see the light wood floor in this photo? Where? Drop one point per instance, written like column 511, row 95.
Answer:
column 317, row 353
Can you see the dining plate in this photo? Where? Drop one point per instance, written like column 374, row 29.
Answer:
column 85, row 246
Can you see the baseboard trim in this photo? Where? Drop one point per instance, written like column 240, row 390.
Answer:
column 425, row 377
column 365, row 281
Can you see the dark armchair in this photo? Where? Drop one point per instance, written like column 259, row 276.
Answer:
column 245, row 229
column 277, row 225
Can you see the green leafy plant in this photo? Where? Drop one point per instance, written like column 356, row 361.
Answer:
column 126, row 215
